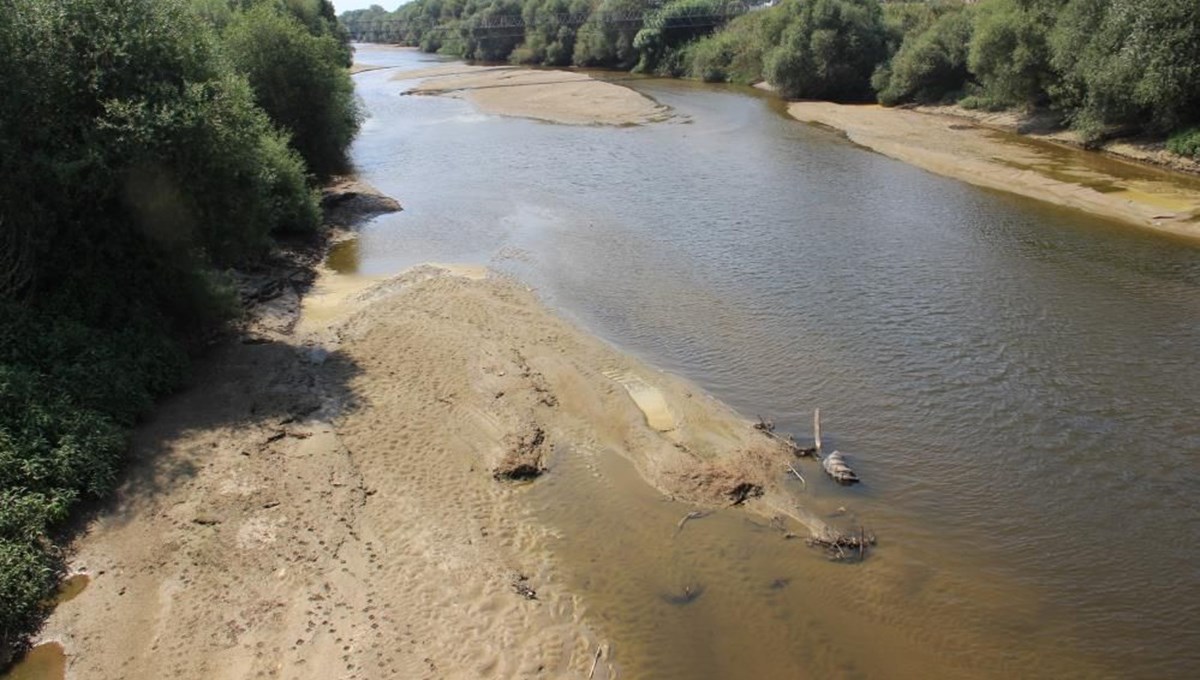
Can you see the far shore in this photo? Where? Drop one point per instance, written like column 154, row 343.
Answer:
column 1044, row 169
column 1138, row 184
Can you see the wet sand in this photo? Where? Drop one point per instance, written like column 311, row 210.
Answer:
column 955, row 147
column 324, row 502
column 554, row 96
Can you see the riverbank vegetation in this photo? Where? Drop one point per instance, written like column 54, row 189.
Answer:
column 147, row 146
column 1106, row 67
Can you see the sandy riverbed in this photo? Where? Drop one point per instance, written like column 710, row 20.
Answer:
column 323, row 502
column 956, row 147
column 555, row 96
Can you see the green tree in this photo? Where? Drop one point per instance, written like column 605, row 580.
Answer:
column 930, row 64
column 299, row 80
column 1010, row 53
column 829, row 49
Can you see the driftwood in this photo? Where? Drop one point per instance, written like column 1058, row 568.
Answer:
column 520, row 587
column 595, row 660
column 836, row 467
column 817, row 431
column 689, row 594
column 840, row 547
column 794, row 472
column 695, row 514
column 798, row 450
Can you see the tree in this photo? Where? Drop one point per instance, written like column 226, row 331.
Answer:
column 829, row 50
column 298, row 80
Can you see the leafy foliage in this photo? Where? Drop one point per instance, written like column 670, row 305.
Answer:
column 930, row 65
column 1186, row 143
column 138, row 163
column 829, row 49
column 298, row 78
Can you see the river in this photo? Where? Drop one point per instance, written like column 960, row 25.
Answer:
column 1018, row 384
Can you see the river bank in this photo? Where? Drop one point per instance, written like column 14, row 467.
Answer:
column 948, row 144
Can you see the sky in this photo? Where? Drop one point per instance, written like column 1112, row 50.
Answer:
column 344, row 5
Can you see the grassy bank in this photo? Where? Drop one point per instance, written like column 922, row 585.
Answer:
column 1105, row 67
column 149, row 147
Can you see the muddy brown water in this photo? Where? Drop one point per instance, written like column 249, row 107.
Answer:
column 1016, row 383
column 46, row 661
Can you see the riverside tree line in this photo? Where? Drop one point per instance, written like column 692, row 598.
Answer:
column 1108, row 67
column 147, row 147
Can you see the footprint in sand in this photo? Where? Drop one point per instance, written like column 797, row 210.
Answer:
column 648, row 398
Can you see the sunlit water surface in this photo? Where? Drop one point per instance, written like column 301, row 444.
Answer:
column 1017, row 384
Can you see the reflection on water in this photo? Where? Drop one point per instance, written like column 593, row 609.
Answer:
column 1016, row 384
column 46, row 661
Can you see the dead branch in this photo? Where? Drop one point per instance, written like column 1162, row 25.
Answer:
column 836, row 543
column 695, row 514
column 797, row 475
column 595, row 660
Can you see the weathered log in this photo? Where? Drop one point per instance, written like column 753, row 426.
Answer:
column 817, row 430
column 836, row 467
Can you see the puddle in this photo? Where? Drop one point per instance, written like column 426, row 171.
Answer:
column 71, row 587
column 344, row 256
column 47, row 661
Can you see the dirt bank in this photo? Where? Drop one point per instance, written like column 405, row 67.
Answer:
column 554, row 96
column 960, row 148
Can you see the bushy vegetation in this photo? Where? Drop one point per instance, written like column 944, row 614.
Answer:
column 1106, row 65
column 1186, row 143
column 929, row 67
column 146, row 146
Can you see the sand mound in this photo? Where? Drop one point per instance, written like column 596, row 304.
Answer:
column 555, row 96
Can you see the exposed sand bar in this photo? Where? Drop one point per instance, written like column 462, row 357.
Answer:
column 955, row 147
column 322, row 502
column 566, row 97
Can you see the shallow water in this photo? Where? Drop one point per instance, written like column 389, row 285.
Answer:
column 72, row 587
column 46, row 661
column 1016, row 383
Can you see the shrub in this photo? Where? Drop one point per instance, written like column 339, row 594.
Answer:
column 1010, row 54
column 298, row 79
column 929, row 65
column 829, row 50
column 1186, row 143
column 1130, row 63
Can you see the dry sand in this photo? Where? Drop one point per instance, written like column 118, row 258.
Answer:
column 958, row 148
column 554, row 96
column 323, row 502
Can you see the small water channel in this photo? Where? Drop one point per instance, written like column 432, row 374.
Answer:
column 1016, row 382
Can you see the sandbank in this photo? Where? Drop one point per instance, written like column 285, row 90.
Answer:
column 556, row 96
column 329, row 499
column 955, row 147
